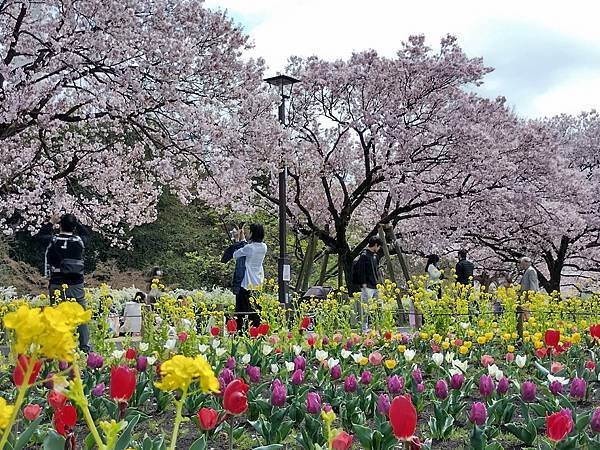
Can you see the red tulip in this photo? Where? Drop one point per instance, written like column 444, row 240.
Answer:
column 231, row 326
column 65, row 419
column 130, row 353
column 403, row 417
column 312, row 340
column 388, row 335
column 235, row 398
column 23, row 362
column 305, row 323
column 32, row 411
column 559, row 425
column 343, row 441
column 552, row 338
column 215, row 331
column 541, row 352
column 122, row 383
column 207, row 418
column 182, row 336
column 56, row 399
column 253, row 332
column 595, row 331
column 263, row 329
column 590, row 365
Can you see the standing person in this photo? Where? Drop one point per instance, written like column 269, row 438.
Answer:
column 254, row 252
column 64, row 261
column 529, row 280
column 366, row 275
column 464, row 269
column 132, row 315
column 434, row 275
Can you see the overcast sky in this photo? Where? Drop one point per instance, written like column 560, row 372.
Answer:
column 546, row 54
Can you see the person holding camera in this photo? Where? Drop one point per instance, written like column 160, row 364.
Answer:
column 64, row 262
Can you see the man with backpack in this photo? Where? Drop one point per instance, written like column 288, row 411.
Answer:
column 64, row 261
column 366, row 275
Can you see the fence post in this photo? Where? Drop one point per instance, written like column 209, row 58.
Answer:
column 520, row 312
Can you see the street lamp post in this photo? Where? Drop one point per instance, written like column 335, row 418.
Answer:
column 284, row 270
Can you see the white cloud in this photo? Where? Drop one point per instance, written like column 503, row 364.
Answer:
column 335, row 28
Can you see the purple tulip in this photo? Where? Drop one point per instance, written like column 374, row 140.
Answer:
column 503, row 386
column 420, row 388
column 298, row 377
column 230, row 364
column 350, row 384
column 313, row 403
column 63, row 365
column 325, row 341
column 349, row 344
column 457, row 381
column 417, row 375
column 299, row 363
column 365, row 377
column 141, row 364
column 278, row 393
column 405, row 338
column 253, row 373
column 441, row 389
column 98, row 391
column 336, row 372
column 556, row 387
column 49, row 383
column 225, row 377
column 383, row 404
column 486, row 386
column 578, row 388
column 395, row 384
column 595, row 422
column 478, row 413
column 528, row 391
column 95, row 361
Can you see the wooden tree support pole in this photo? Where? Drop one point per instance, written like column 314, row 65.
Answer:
column 309, row 262
column 324, row 264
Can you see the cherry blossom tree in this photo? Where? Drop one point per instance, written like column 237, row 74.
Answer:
column 105, row 102
column 380, row 140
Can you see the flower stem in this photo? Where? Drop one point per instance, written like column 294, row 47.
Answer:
column 231, row 433
column 178, row 420
column 19, row 401
column 83, row 404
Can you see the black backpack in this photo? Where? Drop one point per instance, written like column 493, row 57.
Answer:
column 354, row 272
column 68, row 266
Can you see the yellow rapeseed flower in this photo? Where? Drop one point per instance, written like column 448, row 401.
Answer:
column 328, row 417
column 180, row 371
column 390, row 363
column 576, row 338
column 6, row 411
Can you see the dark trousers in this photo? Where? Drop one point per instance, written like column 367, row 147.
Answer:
column 245, row 314
column 77, row 292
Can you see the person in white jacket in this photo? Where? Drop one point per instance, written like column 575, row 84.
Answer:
column 434, row 275
column 254, row 276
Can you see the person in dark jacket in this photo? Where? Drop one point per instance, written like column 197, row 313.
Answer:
column 366, row 275
column 464, row 269
column 64, row 264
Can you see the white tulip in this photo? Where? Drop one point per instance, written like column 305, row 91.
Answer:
column 202, row 348
column 499, row 375
column 144, row 346
column 345, row 353
column 290, row 366
column 332, row 362
column 461, row 365
column 520, row 361
column 118, row 354
column 454, row 371
column 220, row 351
column 561, row 380
column 274, row 369
column 266, row 349
column 437, row 358
column 321, row 355
column 151, row 360
column 492, row 370
column 170, row 344
column 409, row 354
column 449, row 357
column 297, row 349
column 357, row 357
column 465, row 325
column 216, row 343
column 246, row 358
